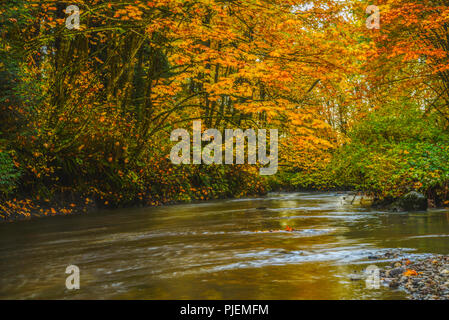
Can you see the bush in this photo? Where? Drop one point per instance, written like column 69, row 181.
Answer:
column 395, row 151
column 9, row 175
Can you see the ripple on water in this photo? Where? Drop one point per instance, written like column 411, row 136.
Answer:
column 430, row 236
column 280, row 257
column 149, row 235
column 153, row 248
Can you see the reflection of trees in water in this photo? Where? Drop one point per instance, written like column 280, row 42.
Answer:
column 398, row 230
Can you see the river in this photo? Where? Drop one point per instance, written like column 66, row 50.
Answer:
column 216, row 250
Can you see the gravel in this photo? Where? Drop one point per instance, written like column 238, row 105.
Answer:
column 424, row 279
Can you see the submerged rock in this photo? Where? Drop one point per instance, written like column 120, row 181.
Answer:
column 412, row 201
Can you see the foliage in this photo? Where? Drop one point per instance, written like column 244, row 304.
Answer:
column 9, row 175
column 86, row 113
column 393, row 151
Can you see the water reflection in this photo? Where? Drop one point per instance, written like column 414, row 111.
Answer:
column 215, row 250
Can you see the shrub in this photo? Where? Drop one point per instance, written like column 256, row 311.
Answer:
column 9, row 175
column 394, row 151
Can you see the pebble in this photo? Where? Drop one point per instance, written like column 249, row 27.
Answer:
column 396, row 272
column 423, row 279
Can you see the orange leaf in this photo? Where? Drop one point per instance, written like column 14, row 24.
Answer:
column 410, row 273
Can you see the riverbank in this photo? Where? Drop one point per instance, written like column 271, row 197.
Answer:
column 25, row 209
column 212, row 183
column 424, row 279
column 172, row 185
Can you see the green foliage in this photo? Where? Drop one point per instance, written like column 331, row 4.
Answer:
column 318, row 178
column 313, row 180
column 393, row 151
column 9, row 175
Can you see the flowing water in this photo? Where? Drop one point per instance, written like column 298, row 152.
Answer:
column 216, row 250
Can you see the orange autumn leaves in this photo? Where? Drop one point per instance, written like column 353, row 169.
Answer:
column 411, row 51
column 101, row 101
column 262, row 59
column 410, row 273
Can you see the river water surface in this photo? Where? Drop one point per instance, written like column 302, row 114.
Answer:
column 216, row 250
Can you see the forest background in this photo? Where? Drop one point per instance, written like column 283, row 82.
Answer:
column 86, row 113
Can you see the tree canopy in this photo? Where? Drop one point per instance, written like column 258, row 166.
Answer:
column 87, row 112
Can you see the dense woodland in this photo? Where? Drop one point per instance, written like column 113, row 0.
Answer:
column 86, row 113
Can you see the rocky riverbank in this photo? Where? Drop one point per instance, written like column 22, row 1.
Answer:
column 412, row 201
column 425, row 279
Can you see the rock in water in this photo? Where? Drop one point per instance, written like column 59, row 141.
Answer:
column 412, row 201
